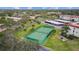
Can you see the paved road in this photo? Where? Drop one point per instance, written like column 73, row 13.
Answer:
column 44, row 49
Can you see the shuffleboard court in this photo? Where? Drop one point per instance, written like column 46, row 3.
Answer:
column 40, row 34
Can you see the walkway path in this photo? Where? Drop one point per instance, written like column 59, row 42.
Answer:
column 43, row 48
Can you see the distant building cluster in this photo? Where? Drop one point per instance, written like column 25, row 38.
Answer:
column 70, row 20
column 15, row 18
column 2, row 28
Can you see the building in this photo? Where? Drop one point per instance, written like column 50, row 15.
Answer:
column 32, row 17
column 65, row 17
column 54, row 23
column 58, row 13
column 15, row 18
column 2, row 28
column 70, row 17
column 74, row 29
column 75, row 18
column 62, row 21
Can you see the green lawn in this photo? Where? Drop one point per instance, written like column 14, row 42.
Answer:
column 57, row 44
column 22, row 33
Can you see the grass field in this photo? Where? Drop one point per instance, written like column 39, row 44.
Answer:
column 57, row 44
column 22, row 33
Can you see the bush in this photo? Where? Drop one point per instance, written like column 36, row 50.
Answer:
column 71, row 37
column 1, row 34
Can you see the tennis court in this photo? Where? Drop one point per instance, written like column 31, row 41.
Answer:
column 44, row 30
column 40, row 34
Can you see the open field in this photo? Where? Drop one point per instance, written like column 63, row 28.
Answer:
column 55, row 43
column 22, row 33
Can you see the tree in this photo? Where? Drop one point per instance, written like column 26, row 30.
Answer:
column 1, row 34
column 65, row 30
column 33, row 27
column 72, row 20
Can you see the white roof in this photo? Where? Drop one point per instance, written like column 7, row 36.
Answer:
column 3, row 29
column 15, row 18
column 55, row 22
column 63, row 21
column 1, row 24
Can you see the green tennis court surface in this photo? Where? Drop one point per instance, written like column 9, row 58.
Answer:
column 40, row 34
column 37, row 36
column 44, row 30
